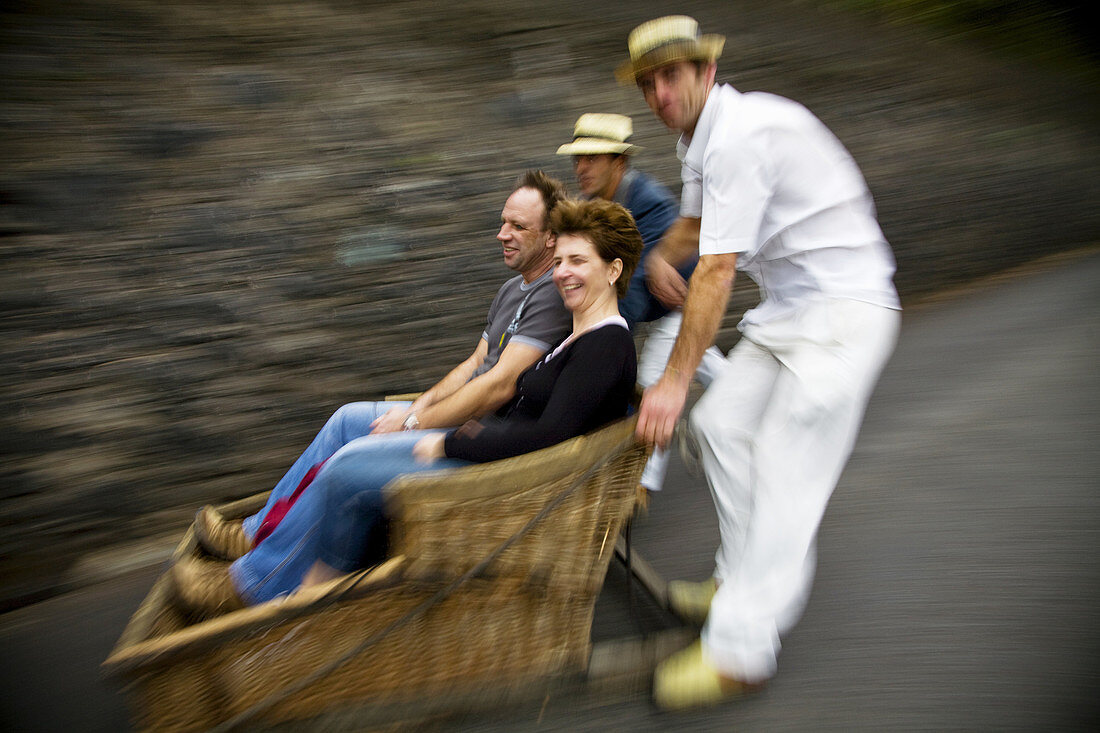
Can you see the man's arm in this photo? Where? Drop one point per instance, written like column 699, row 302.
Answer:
column 679, row 243
column 455, row 379
column 480, row 395
column 394, row 419
column 704, row 307
column 457, row 398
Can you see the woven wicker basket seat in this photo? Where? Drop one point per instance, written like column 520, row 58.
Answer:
column 493, row 578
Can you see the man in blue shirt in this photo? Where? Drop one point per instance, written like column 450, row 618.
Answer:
column 601, row 164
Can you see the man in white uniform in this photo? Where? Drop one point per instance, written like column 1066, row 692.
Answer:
column 778, row 197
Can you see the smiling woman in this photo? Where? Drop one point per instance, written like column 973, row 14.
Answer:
column 608, row 229
column 584, row 280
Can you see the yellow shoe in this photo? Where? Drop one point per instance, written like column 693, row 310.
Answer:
column 691, row 601
column 218, row 536
column 204, row 588
column 687, row 680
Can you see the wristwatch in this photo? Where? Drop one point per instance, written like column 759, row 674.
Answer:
column 412, row 422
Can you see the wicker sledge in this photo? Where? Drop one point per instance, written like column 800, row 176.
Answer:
column 491, row 586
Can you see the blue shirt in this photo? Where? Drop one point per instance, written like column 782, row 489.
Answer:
column 654, row 209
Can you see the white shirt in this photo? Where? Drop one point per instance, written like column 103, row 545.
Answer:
column 774, row 185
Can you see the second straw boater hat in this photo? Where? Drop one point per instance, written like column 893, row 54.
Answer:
column 600, row 134
column 664, row 41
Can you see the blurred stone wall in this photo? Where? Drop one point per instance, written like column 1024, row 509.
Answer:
column 222, row 220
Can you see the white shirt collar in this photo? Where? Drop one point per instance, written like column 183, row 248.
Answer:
column 690, row 149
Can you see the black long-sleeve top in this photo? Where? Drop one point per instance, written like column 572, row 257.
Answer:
column 585, row 385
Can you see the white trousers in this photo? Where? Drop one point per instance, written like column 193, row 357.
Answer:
column 651, row 365
column 774, row 431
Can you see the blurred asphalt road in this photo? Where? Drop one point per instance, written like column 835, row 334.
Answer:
column 958, row 584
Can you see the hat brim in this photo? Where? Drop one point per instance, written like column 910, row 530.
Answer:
column 596, row 146
column 706, row 48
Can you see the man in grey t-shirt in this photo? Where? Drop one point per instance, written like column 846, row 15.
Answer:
column 526, row 319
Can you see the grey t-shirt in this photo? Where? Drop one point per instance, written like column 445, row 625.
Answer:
column 526, row 313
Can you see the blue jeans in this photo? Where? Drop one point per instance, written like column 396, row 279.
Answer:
column 351, row 421
column 339, row 519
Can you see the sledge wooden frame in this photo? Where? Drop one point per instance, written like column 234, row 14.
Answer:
column 431, row 629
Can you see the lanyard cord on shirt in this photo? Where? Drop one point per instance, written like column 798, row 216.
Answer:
column 514, row 325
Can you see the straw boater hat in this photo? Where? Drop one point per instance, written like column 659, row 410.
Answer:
column 664, row 41
column 600, row 134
